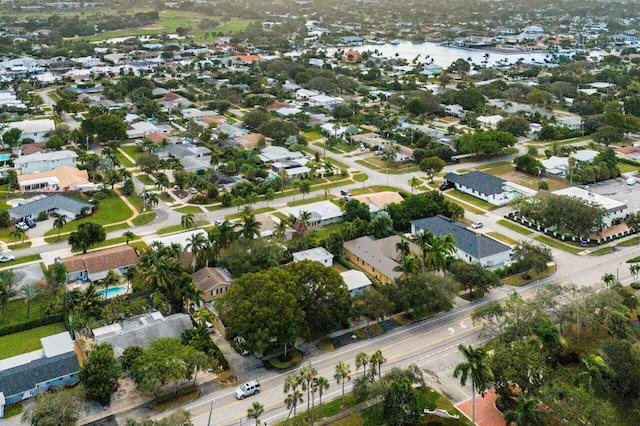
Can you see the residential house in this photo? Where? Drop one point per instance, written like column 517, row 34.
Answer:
column 322, row 213
column 37, row 130
column 431, row 69
column 356, row 281
column 141, row 330
column 44, row 161
column 352, row 56
column 249, row 141
column 305, row 95
column 223, row 180
column 26, row 375
column 377, row 258
column 231, row 130
column 617, row 211
column 454, row 110
column 195, row 113
column 213, row 282
column 53, row 204
column 484, row 186
column 141, row 129
column 370, row 139
column 288, row 111
column 559, row 166
column 278, row 153
column 317, row 254
column 247, row 59
column 94, row 266
column 63, row 178
column 471, row 246
column 489, row 121
column 379, row 200
column 325, row 101
column 185, row 150
column 173, row 100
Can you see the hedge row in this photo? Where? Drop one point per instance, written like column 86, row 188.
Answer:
column 28, row 325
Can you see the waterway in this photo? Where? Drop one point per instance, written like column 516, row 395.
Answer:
column 446, row 55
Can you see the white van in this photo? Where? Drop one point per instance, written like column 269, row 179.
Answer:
column 248, row 389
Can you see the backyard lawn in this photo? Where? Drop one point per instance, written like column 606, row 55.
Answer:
column 15, row 312
column 27, row 341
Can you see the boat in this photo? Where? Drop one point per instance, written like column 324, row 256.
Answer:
column 395, row 42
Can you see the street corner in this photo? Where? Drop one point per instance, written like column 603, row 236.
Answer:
column 486, row 412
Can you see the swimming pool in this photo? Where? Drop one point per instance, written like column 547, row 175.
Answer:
column 5, row 157
column 112, row 292
column 15, row 202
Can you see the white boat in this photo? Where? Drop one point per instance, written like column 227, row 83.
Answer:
column 395, row 42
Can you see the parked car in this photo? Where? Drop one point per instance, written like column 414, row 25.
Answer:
column 446, row 185
column 248, row 389
column 192, row 190
column 6, row 258
column 476, row 225
column 378, row 153
column 22, row 226
column 218, row 222
column 30, row 223
column 344, row 192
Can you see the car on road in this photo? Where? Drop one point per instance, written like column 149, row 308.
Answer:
column 192, row 190
column 218, row 222
column 6, row 258
column 248, row 389
column 477, row 225
column 345, row 193
column 22, row 226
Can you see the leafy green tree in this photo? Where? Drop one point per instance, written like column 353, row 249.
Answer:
column 469, row 99
column 514, row 124
column 594, row 375
column 354, row 209
column 432, row 166
column 87, row 235
column 53, row 409
column 529, row 257
column 529, row 164
column 5, row 219
column 473, row 276
column 526, row 412
column 372, row 304
column 29, row 291
column 255, row 119
column 129, row 356
column 12, row 137
column 200, row 339
column 474, row 367
column 106, row 127
column 489, row 143
column 99, row 374
column 400, row 404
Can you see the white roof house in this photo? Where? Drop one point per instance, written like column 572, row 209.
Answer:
column 322, row 212
column 141, row 129
column 318, row 254
column 304, row 94
column 325, row 101
column 356, row 281
column 490, row 121
column 278, row 153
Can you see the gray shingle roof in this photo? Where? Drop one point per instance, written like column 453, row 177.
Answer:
column 482, row 182
column 27, row 376
column 56, row 201
column 474, row 244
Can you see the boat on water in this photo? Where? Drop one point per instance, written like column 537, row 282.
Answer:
column 395, row 42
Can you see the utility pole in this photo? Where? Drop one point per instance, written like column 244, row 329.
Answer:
column 211, row 412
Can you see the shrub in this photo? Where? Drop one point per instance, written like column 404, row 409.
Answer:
column 543, row 184
column 42, row 216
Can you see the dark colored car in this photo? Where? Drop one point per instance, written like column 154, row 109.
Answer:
column 446, row 185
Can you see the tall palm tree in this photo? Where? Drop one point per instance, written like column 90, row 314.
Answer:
column 593, row 377
column 407, row 266
column 224, row 234
column 362, row 359
column 292, row 383
column 475, row 367
column 255, row 411
column 196, row 243
column 440, row 248
column 187, row 220
column 525, row 413
column 424, row 240
column 250, row 227
column 342, row 374
column 59, row 222
column 321, row 384
column 308, row 372
column 29, row 291
column 110, row 280
column 128, row 236
column 148, row 199
column 280, row 231
column 377, row 359
column 17, row 234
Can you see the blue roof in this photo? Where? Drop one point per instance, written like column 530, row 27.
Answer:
column 474, row 244
column 24, row 377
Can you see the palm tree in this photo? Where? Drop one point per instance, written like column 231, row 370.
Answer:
column 414, row 182
column 148, row 199
column 403, row 248
column 305, row 187
column 362, row 359
column 378, row 359
column 291, row 383
column 525, row 413
column 224, row 234
column 308, row 372
column 321, row 384
column 475, row 367
column 17, row 234
column 255, row 411
column 196, row 243
column 29, row 291
column 162, row 181
column 608, row 279
column 407, row 266
column 280, row 231
column 110, row 280
column 438, row 251
column 594, row 374
column 424, row 240
column 250, row 227
column 128, row 236
column 187, row 220
column 343, row 373
column 59, row 222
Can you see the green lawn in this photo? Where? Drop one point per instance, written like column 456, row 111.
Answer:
column 15, row 311
column 301, row 201
column 109, row 210
column 254, row 211
column 470, row 199
column 633, row 241
column 465, row 206
column 132, row 151
column 144, row 219
column 189, row 209
column 170, row 229
column 625, row 168
column 601, row 251
column 373, row 189
column 27, row 341
column 360, row 177
column 515, row 227
column 21, row 260
column 498, row 236
column 558, row 244
column 312, row 135
column 124, row 160
column 146, row 180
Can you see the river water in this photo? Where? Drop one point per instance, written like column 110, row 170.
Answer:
column 445, row 55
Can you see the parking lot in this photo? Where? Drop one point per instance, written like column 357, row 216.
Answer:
column 618, row 190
